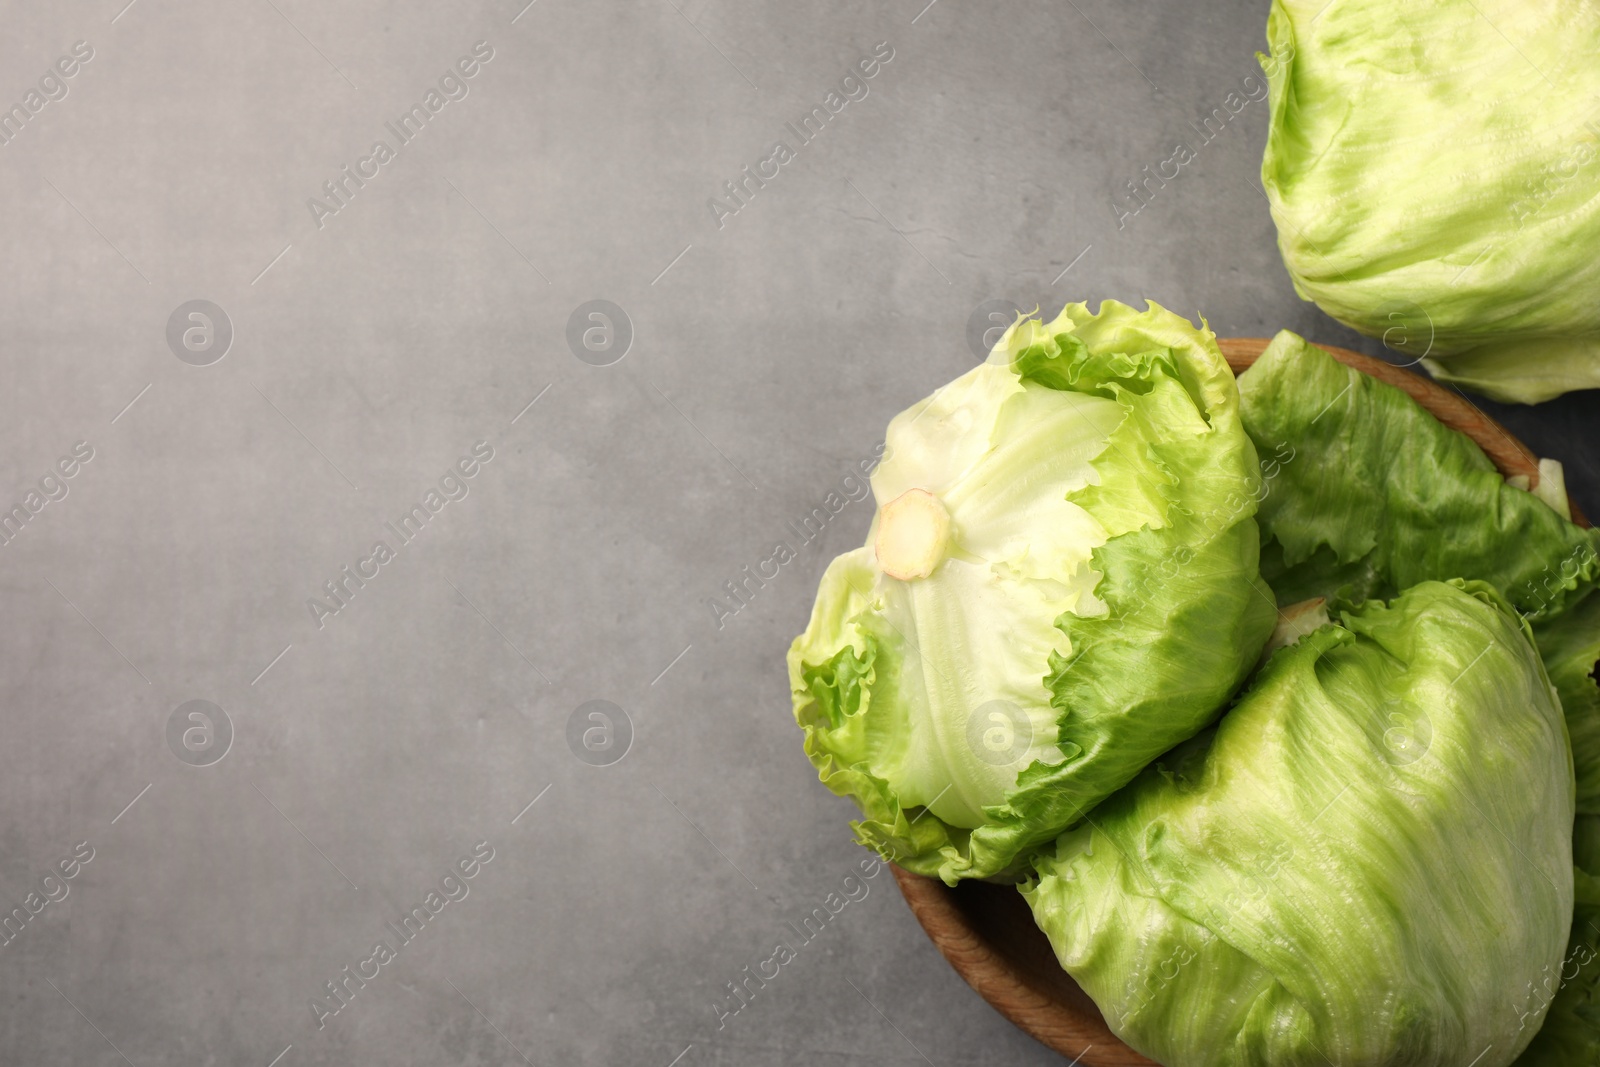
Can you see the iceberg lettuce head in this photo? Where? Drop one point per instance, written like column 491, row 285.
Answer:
column 1368, row 862
column 1434, row 173
column 1061, row 583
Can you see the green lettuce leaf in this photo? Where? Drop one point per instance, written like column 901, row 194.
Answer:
column 1367, row 493
column 1570, row 645
column 1368, row 862
column 1435, row 179
column 1091, row 599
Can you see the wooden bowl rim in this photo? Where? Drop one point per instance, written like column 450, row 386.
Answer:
column 1085, row 1037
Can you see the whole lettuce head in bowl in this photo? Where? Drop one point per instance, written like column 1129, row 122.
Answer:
column 1434, row 173
column 1061, row 583
column 1368, row 862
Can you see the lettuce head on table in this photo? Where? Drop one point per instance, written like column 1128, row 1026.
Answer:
column 1367, row 862
column 1434, row 173
column 1060, row 584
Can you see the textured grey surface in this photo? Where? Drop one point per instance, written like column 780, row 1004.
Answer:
column 371, row 353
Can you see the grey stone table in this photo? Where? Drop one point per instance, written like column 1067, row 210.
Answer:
column 264, row 346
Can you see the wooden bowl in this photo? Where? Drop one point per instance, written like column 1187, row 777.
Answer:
column 986, row 931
